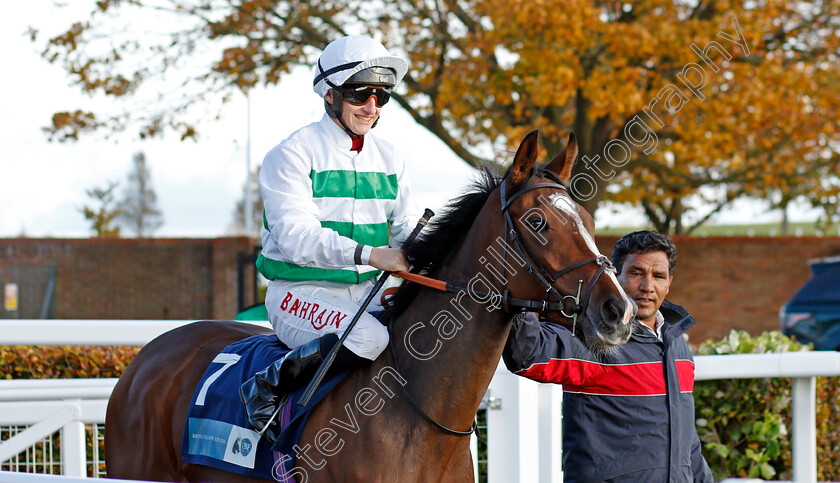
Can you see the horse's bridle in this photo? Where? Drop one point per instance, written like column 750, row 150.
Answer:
column 540, row 274
column 510, row 304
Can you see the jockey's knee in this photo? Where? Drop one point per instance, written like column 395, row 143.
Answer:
column 371, row 342
column 380, row 340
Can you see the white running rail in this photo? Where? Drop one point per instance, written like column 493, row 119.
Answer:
column 523, row 417
column 803, row 368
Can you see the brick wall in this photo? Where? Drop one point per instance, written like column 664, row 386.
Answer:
column 134, row 278
column 726, row 283
column 739, row 283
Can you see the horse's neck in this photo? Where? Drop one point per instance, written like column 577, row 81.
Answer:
column 449, row 377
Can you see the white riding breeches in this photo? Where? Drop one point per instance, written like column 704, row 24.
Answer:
column 301, row 312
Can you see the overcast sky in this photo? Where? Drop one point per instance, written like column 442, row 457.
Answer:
column 43, row 184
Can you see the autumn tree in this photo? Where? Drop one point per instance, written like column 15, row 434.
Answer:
column 673, row 103
column 138, row 209
column 104, row 213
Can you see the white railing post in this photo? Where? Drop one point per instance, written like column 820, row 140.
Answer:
column 474, row 455
column 47, row 426
column 551, row 432
column 512, row 448
column 73, row 454
column 804, row 438
column 73, row 449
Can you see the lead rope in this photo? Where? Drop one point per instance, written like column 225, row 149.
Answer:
column 575, row 313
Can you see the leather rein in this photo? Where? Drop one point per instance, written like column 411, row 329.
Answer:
column 568, row 305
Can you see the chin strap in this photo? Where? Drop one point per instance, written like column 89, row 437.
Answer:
column 347, row 129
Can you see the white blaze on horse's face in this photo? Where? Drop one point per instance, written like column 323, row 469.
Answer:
column 570, row 208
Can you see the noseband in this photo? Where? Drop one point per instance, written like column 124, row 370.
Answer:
column 568, row 305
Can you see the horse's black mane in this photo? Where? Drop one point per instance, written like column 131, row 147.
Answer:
column 442, row 234
column 445, row 230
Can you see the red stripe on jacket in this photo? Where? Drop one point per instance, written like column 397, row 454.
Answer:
column 639, row 379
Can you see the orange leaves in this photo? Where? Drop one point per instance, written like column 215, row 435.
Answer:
column 238, row 62
column 252, row 6
column 151, row 128
column 69, row 125
column 188, row 131
column 744, row 125
column 69, row 40
column 482, row 72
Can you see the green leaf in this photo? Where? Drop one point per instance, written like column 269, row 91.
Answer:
column 722, row 450
column 767, row 471
column 773, row 449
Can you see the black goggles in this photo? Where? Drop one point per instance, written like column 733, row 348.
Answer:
column 359, row 95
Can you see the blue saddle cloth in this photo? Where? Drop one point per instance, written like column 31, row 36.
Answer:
column 217, row 433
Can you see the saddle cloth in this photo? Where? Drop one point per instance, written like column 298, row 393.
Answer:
column 217, row 433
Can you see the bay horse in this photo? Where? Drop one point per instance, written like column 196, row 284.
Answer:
column 518, row 243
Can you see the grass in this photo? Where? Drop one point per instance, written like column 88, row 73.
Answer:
column 766, row 229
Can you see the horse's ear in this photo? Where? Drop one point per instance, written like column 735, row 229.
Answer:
column 562, row 164
column 526, row 157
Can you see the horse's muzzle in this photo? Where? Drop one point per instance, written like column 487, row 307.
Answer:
column 614, row 326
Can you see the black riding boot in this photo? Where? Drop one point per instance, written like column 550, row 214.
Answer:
column 262, row 394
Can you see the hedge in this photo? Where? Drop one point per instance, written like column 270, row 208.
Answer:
column 61, row 362
column 743, row 423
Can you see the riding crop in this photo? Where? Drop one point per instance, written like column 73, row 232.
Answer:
column 322, row 369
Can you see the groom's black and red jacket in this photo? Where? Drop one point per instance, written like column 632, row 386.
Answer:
column 628, row 414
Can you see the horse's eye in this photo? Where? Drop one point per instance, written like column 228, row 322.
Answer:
column 537, row 224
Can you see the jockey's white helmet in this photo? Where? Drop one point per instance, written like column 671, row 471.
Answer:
column 349, row 55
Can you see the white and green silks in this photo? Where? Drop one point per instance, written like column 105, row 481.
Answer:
column 322, row 200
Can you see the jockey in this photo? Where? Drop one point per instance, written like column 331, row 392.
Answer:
column 334, row 194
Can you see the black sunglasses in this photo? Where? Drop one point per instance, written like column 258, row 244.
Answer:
column 359, row 95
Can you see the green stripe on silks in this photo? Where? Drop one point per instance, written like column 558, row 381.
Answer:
column 352, row 184
column 277, row 270
column 373, row 234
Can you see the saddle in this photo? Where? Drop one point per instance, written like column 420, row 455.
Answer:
column 217, row 432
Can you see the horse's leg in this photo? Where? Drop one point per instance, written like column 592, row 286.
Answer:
column 460, row 466
column 392, row 445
